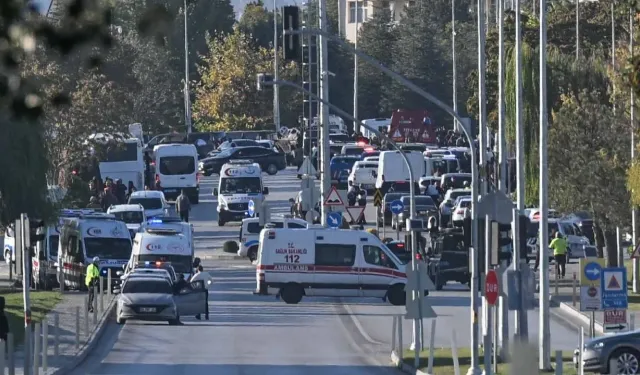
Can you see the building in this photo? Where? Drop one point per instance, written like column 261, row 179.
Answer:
column 364, row 11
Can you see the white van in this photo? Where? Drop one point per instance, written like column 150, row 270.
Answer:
column 164, row 245
column 441, row 165
column 380, row 124
column 328, row 263
column 251, row 228
column 393, row 169
column 133, row 216
column 176, row 169
column 240, row 183
column 361, row 175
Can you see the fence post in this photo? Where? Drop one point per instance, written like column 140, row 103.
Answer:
column 557, row 282
column 632, row 322
column 394, row 323
column 432, row 342
column 2, row 357
column 10, row 354
column 78, row 327
column 86, row 317
column 574, row 299
column 56, row 335
column 580, row 349
column 100, row 297
column 109, row 284
column 558, row 362
column 36, row 349
column 400, row 344
column 454, row 353
column 45, row 346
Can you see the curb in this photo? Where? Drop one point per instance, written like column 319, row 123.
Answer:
column 583, row 319
column 395, row 359
column 91, row 343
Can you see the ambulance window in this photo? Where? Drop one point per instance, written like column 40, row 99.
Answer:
column 375, row 255
column 335, row 255
column 255, row 228
column 296, row 226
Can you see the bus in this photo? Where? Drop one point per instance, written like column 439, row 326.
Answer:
column 120, row 158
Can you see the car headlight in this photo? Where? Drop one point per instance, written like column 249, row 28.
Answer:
column 598, row 345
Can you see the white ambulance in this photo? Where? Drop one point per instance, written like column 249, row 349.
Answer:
column 240, row 183
column 328, row 263
column 88, row 236
column 163, row 244
column 251, row 228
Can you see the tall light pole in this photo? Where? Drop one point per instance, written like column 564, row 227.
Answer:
column 521, row 320
column 502, row 147
column 634, row 211
column 356, row 127
column 613, row 45
column 544, row 338
column 577, row 29
column 276, row 89
column 456, row 126
column 482, row 96
column 324, row 110
column 187, row 97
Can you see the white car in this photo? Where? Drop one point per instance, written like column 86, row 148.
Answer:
column 362, row 174
column 460, row 211
column 153, row 201
column 132, row 215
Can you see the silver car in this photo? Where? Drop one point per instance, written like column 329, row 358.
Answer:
column 425, row 208
column 147, row 298
column 597, row 353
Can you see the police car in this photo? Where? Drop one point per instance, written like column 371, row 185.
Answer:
column 240, row 183
column 328, row 263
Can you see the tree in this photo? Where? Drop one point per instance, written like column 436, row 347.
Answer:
column 588, row 163
column 227, row 97
column 257, row 21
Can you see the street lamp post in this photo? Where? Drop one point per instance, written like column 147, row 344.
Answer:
column 475, row 280
column 187, row 98
column 276, row 90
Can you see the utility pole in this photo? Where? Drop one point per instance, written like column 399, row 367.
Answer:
column 502, row 147
column 324, row 110
column 356, row 127
column 634, row 211
column 482, row 97
column 544, row 338
column 276, row 90
column 456, row 126
column 613, row 45
column 577, row 29
column 520, row 320
column 187, row 96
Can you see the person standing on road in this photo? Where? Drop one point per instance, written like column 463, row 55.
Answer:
column 559, row 246
column 92, row 278
column 183, row 206
column 4, row 323
column 206, row 279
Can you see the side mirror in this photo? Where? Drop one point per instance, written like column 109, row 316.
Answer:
column 265, row 190
column 42, row 255
column 196, row 262
column 215, row 192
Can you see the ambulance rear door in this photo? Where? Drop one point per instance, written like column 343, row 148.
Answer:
column 335, row 271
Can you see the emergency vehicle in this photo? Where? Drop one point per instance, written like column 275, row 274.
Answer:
column 328, row 263
column 92, row 235
column 165, row 245
column 240, row 182
column 251, row 228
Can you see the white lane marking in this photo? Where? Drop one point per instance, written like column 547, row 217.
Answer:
column 359, row 326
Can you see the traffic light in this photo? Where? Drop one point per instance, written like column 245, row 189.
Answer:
column 291, row 43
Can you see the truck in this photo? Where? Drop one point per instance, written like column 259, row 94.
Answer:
column 412, row 126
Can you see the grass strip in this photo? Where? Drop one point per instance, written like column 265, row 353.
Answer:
column 41, row 304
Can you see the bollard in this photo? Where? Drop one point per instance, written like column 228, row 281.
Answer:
column 45, row 346
column 575, row 290
column 36, row 349
column 432, row 343
column 580, row 349
column 2, row 357
column 86, row 317
column 95, row 313
column 109, row 288
column 454, row 353
column 77, row 327
column 61, row 279
column 559, row 363
column 56, row 335
column 10, row 352
column 632, row 322
column 557, row 282
column 100, row 291
column 394, row 323
column 400, row 345
column 613, row 366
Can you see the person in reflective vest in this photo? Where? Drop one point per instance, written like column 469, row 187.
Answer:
column 559, row 246
column 91, row 280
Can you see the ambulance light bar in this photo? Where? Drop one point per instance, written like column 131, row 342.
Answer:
column 163, row 220
column 163, row 230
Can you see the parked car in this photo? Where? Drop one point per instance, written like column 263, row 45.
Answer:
column 270, row 161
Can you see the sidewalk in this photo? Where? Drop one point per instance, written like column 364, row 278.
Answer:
column 68, row 355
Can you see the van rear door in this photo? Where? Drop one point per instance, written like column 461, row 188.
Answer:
column 177, row 170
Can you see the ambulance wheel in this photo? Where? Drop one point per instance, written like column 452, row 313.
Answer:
column 272, row 169
column 396, row 295
column 291, row 293
column 252, row 254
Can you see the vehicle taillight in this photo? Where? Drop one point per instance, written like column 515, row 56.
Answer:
column 74, row 172
column 272, row 235
column 418, row 257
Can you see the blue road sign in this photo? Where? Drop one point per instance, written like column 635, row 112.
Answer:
column 396, row 207
column 334, row 219
column 251, row 208
column 614, row 288
column 593, row 271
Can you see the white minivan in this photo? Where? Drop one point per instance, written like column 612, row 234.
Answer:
column 176, row 169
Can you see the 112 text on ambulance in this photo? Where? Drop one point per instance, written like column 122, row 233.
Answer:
column 291, row 253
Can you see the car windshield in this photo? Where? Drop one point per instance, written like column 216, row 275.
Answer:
column 177, row 165
column 465, row 203
column 147, row 286
column 240, row 185
column 399, row 250
column 367, row 165
column 415, row 147
column 341, row 138
column 423, row 201
column 180, row 263
column 53, row 246
column 108, row 248
column 344, row 162
column 130, row 217
column 354, row 150
column 455, row 194
column 389, row 197
column 147, row 203
column 457, row 182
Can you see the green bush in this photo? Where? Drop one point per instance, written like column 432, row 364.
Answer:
column 230, row 247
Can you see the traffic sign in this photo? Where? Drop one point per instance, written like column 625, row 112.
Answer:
column 334, row 219
column 491, row 289
column 307, row 168
column 251, row 208
column 355, row 212
column 636, row 252
column 333, row 198
column 377, row 198
column 614, row 288
column 615, row 320
column 591, row 271
column 396, row 207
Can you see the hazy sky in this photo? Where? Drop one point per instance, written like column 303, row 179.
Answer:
column 42, row 5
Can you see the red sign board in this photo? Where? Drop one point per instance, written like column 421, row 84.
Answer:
column 491, row 287
column 412, row 126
